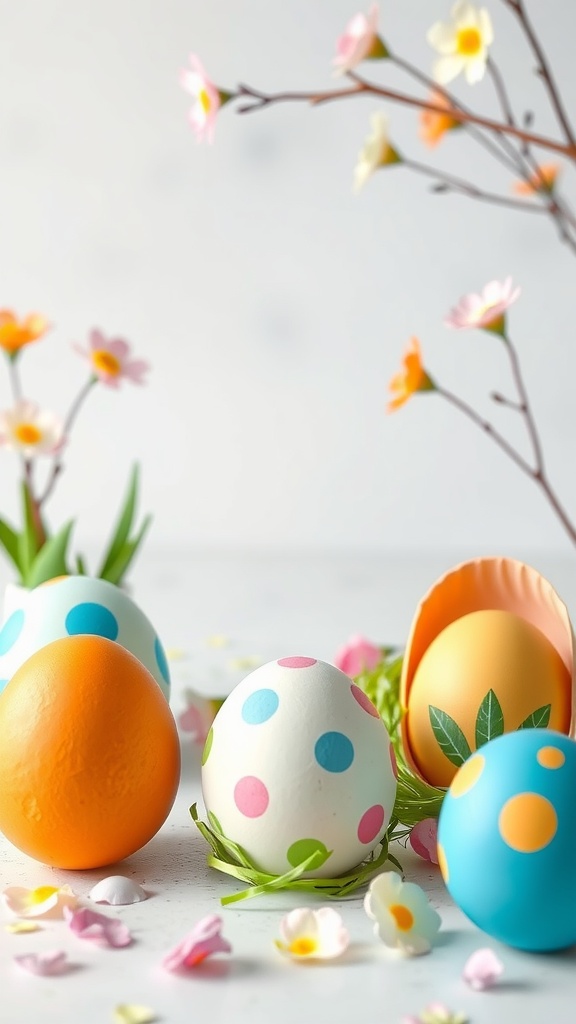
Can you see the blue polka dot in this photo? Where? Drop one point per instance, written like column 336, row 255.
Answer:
column 93, row 619
column 11, row 631
column 260, row 706
column 162, row 661
column 334, row 752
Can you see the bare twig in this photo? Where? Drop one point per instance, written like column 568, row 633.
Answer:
column 467, row 188
column 544, row 70
column 56, row 468
column 361, row 87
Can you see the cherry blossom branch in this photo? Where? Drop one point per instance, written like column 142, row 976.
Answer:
column 535, row 473
column 56, row 468
column 544, row 69
column 362, row 87
column 504, row 155
column 451, row 183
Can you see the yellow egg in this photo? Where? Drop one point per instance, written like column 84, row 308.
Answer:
column 487, row 650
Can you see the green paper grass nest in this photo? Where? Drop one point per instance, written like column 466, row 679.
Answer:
column 415, row 801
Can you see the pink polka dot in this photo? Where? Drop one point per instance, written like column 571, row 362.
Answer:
column 393, row 761
column 251, row 796
column 370, row 824
column 297, row 662
column 363, row 700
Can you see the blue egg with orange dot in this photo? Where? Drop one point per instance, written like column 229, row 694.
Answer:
column 507, row 839
column 79, row 606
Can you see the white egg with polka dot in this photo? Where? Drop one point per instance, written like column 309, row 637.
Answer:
column 72, row 605
column 299, row 762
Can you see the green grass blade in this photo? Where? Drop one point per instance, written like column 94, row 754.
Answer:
column 9, row 540
column 119, row 567
column 51, row 559
column 123, row 525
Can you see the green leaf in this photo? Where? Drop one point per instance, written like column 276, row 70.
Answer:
column 489, row 720
column 51, row 559
column 451, row 739
column 123, row 526
column 81, row 569
column 118, row 568
column 27, row 541
column 9, row 540
column 538, row 719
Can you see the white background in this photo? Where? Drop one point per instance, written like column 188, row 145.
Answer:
column 273, row 304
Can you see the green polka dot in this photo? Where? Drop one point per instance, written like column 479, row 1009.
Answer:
column 215, row 823
column 304, row 848
column 207, row 746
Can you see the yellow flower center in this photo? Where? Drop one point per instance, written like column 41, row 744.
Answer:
column 468, row 41
column 204, row 100
column 303, row 946
column 106, row 362
column 28, row 433
column 40, row 895
column 404, row 918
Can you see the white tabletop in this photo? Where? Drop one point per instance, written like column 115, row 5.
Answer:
column 267, row 606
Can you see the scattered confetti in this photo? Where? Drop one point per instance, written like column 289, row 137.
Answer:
column 204, row 940
column 176, row 654
column 50, row 962
column 218, row 640
column 21, row 927
column 131, row 1013
column 482, row 970
column 437, row 1013
column 245, row 662
column 404, row 918
column 118, row 891
column 89, row 924
column 313, row 934
column 45, row 901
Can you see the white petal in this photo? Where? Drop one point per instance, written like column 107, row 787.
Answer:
column 486, row 26
column 475, row 69
column 464, row 13
column 447, row 68
column 442, row 37
column 118, row 891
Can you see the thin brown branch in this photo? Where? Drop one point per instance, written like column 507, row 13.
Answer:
column 525, row 407
column 361, row 87
column 536, row 474
column 544, row 70
column 467, row 188
column 56, row 468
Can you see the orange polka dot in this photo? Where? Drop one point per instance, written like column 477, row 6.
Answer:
column 443, row 863
column 528, row 822
column 467, row 776
column 550, row 757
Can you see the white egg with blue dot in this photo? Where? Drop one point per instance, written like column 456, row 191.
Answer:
column 73, row 605
column 297, row 762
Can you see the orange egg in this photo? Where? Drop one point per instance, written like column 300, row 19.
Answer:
column 89, row 754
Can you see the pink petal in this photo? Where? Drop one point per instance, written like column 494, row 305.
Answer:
column 119, row 348
column 96, row 339
column 51, row 962
column 482, row 969
column 358, row 655
column 135, row 370
column 89, row 924
column 204, row 940
column 424, row 839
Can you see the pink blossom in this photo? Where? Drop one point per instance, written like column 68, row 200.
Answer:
column 484, row 310
column 89, row 924
column 357, row 40
column 204, row 940
column 482, row 969
column 50, row 962
column 198, row 715
column 358, row 655
column 206, row 96
column 110, row 360
column 424, row 839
